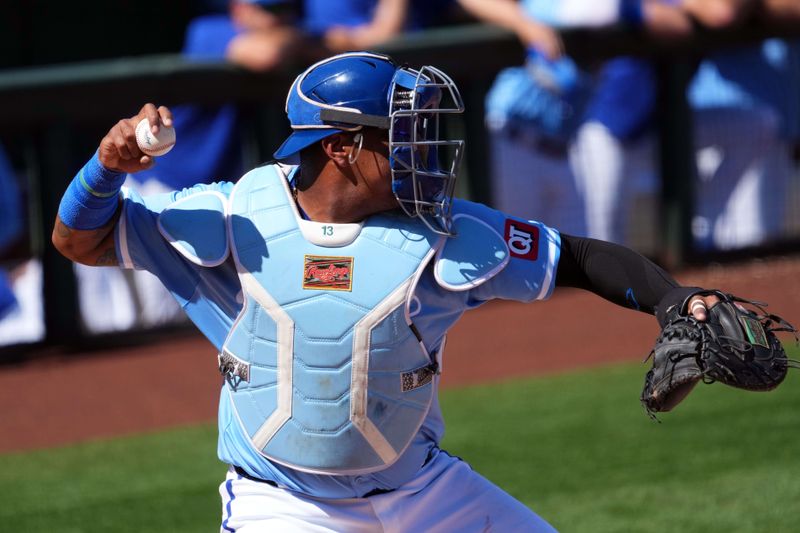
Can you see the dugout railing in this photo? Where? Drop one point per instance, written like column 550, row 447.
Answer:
column 52, row 118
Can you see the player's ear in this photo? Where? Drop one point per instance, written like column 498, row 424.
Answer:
column 336, row 148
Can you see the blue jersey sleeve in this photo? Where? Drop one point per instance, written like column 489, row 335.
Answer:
column 208, row 295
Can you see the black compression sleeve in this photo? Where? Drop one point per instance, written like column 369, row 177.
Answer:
column 617, row 274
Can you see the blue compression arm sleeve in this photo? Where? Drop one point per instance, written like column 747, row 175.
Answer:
column 91, row 199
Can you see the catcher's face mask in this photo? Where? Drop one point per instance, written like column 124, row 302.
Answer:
column 424, row 167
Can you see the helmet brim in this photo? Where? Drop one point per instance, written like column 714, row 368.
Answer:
column 300, row 139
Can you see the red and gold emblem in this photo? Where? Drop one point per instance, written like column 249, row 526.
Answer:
column 328, row 273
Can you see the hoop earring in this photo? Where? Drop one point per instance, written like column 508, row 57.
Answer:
column 353, row 157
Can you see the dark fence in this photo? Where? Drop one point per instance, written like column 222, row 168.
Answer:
column 51, row 118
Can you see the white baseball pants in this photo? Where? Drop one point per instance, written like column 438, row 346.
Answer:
column 446, row 497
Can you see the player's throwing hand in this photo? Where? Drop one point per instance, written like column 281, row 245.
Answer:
column 118, row 150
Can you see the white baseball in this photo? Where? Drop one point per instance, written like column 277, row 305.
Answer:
column 154, row 145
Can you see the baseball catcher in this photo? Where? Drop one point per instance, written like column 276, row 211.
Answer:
column 328, row 282
column 735, row 345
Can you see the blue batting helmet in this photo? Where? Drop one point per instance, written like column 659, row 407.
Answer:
column 354, row 90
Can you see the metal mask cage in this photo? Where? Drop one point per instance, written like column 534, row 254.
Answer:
column 423, row 166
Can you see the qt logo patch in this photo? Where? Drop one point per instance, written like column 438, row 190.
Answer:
column 328, row 273
column 522, row 239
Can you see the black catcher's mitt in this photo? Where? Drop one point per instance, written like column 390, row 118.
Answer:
column 736, row 345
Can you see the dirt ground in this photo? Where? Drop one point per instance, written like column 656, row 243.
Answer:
column 59, row 398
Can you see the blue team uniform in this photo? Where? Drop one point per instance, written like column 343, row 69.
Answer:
column 765, row 76
column 746, row 117
column 239, row 280
column 321, row 15
column 11, row 227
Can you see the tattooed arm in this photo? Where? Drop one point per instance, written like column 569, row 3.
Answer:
column 89, row 247
column 89, row 210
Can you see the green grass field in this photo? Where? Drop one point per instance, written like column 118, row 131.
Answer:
column 577, row 448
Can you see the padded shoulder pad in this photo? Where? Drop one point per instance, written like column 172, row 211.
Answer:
column 476, row 254
column 196, row 227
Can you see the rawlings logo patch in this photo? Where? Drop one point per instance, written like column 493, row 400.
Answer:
column 522, row 239
column 328, row 273
column 755, row 332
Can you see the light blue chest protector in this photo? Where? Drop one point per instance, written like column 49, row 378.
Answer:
column 325, row 372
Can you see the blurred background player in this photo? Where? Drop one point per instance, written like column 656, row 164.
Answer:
column 257, row 35
column 614, row 154
column 576, row 147
column 21, row 312
column 746, row 121
column 11, row 228
column 743, row 141
column 362, row 24
column 565, row 139
column 531, row 113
